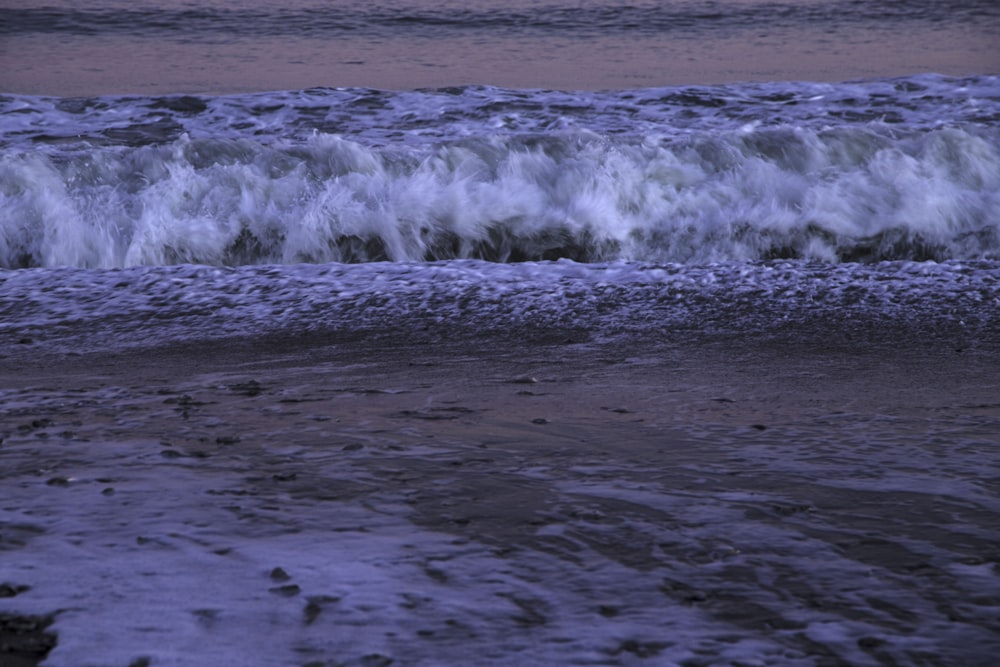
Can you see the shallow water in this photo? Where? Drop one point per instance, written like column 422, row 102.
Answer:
column 552, row 503
column 77, row 311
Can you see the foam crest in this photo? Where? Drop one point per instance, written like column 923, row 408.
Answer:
column 858, row 194
column 377, row 117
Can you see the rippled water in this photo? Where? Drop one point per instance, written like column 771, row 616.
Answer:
column 152, row 46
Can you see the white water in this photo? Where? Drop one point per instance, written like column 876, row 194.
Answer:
column 79, row 311
column 894, row 169
column 828, row 195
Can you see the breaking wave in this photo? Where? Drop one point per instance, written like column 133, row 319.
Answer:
column 835, row 194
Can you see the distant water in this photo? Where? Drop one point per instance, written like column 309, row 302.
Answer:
column 876, row 172
column 440, row 19
column 63, row 47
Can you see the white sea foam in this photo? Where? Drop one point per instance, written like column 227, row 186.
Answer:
column 378, row 117
column 896, row 169
column 92, row 310
column 827, row 195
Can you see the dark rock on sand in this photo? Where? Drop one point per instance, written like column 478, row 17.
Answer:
column 314, row 606
column 376, row 660
column 12, row 590
column 250, row 389
column 24, row 641
column 286, row 591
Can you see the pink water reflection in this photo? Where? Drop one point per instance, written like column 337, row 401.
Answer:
column 40, row 63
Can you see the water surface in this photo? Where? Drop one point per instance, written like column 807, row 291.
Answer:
column 151, row 47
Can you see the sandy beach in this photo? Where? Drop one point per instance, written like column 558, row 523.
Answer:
column 376, row 501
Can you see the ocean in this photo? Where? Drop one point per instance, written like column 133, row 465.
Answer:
column 463, row 334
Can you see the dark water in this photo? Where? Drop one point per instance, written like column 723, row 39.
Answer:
column 443, row 20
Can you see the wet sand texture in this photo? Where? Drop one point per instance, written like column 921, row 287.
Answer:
column 552, row 502
column 24, row 640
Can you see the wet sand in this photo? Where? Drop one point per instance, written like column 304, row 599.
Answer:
column 556, row 500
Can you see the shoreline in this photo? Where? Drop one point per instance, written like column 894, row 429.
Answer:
column 686, row 469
